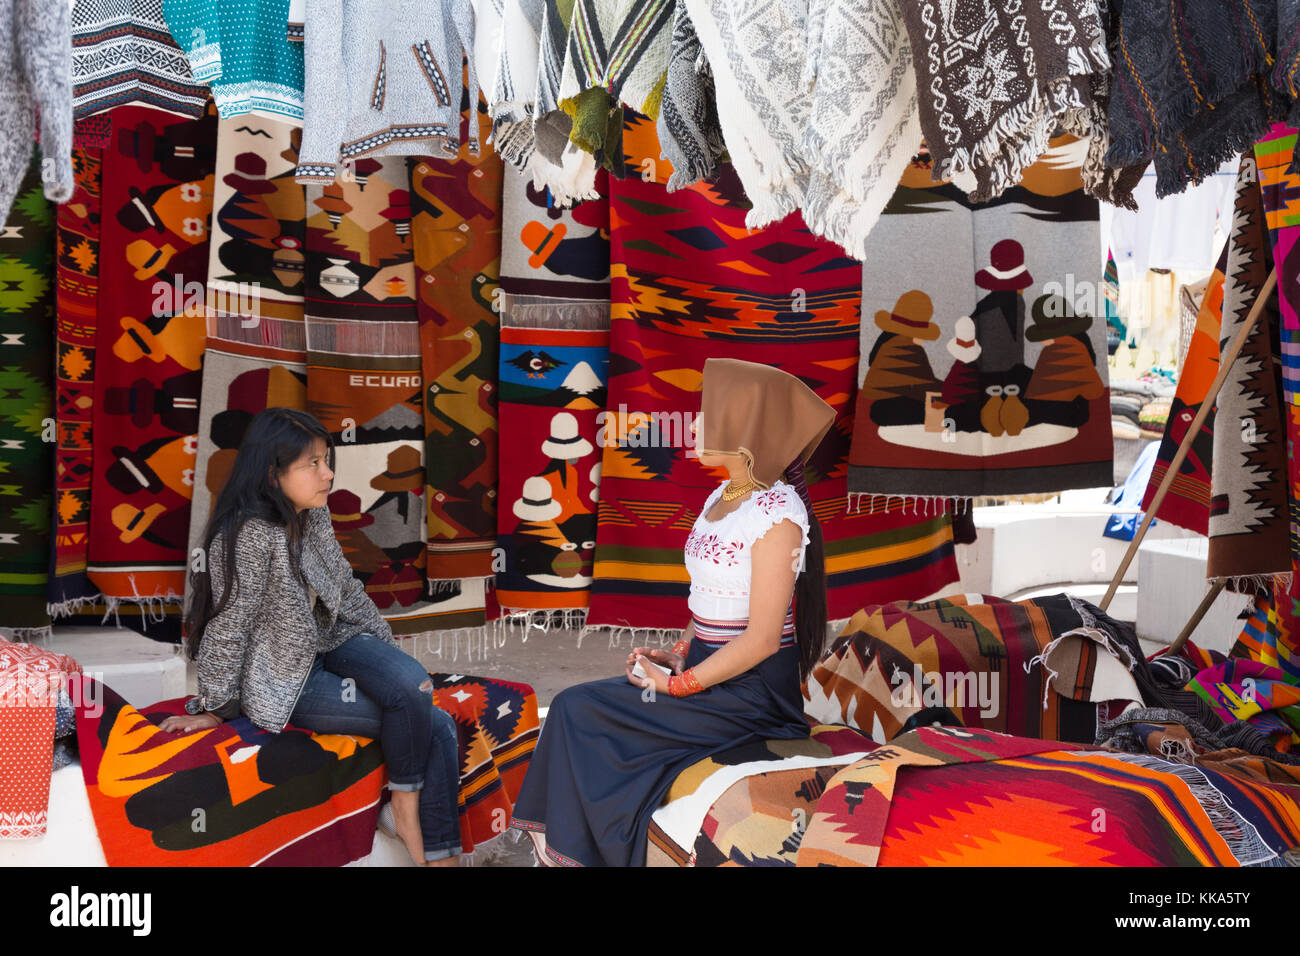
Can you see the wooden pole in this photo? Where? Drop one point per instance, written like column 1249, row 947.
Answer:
column 1201, row 609
column 1225, row 366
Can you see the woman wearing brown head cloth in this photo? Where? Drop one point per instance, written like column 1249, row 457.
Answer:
column 610, row 749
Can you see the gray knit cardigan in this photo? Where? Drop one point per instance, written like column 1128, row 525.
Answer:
column 256, row 654
column 35, row 70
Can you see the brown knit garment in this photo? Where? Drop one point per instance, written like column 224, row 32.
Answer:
column 761, row 412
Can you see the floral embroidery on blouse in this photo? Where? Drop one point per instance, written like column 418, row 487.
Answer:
column 771, row 500
column 709, row 547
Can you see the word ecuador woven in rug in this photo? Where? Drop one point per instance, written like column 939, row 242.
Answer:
column 983, row 366
column 156, row 205
column 365, row 384
column 456, row 242
column 26, row 331
column 690, row 281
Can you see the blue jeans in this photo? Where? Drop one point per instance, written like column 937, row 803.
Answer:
column 372, row 689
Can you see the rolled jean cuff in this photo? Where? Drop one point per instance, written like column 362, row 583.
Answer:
column 432, row 855
column 407, row 787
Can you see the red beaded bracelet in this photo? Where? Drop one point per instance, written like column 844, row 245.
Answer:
column 684, row 684
column 681, row 647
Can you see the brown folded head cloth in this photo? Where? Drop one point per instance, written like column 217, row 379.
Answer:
column 762, row 413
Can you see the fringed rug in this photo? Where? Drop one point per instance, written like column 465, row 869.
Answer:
column 498, row 727
column 27, row 432
column 156, row 205
column 77, row 277
column 690, row 282
column 456, row 242
column 983, row 366
column 1248, row 523
column 553, row 375
column 553, row 397
column 256, row 345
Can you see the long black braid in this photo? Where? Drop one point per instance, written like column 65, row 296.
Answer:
column 810, row 585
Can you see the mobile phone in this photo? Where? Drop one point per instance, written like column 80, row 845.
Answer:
column 638, row 672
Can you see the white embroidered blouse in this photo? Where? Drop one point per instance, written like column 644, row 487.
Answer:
column 718, row 552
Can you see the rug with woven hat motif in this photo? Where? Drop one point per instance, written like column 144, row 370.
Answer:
column 77, row 295
column 156, row 205
column 26, row 328
column 456, row 242
column 553, row 377
column 553, row 387
column 691, row 282
column 988, row 378
column 256, row 354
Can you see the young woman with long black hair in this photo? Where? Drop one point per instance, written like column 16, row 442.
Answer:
column 610, row 749
column 297, row 640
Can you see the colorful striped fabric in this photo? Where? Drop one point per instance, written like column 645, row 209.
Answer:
column 717, row 633
column 690, row 281
column 1270, row 634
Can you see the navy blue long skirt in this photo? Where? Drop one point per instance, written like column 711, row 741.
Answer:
column 607, row 756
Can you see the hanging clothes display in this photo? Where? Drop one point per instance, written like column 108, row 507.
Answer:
column 996, row 384
column 35, row 78
column 1191, row 112
column 456, row 244
column 243, row 53
column 998, row 80
column 124, row 54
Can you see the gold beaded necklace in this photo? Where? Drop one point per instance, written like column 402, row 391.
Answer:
column 734, row 491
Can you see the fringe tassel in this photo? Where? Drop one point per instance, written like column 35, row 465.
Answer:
column 1254, row 583
column 664, row 636
column 920, row 505
column 1243, row 840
